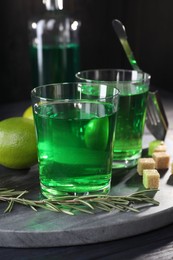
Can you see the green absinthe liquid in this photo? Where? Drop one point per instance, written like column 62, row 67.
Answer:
column 75, row 148
column 130, row 123
column 54, row 63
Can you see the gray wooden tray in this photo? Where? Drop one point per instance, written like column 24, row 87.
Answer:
column 24, row 228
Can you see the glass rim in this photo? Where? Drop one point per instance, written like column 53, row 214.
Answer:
column 145, row 75
column 35, row 95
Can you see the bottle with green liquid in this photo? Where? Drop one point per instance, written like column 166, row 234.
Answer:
column 54, row 45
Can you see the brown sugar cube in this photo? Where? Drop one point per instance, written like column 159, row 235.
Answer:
column 151, row 179
column 145, row 163
column 172, row 167
column 160, row 148
column 161, row 159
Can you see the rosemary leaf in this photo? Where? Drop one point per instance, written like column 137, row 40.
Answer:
column 102, row 208
column 67, row 212
column 32, row 207
column 78, row 208
column 85, row 203
column 10, row 206
column 51, row 206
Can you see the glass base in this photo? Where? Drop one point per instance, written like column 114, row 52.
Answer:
column 119, row 164
column 53, row 192
column 125, row 160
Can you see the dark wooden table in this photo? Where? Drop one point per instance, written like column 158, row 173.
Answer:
column 157, row 244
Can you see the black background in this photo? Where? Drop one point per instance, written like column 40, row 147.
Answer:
column 149, row 25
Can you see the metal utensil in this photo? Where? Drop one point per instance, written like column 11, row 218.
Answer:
column 120, row 30
column 156, row 120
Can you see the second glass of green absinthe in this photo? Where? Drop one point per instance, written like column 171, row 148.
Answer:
column 130, row 123
column 74, row 147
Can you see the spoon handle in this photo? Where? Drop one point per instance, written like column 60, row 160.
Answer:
column 122, row 36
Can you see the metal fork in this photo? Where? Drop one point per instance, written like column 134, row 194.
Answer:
column 156, row 120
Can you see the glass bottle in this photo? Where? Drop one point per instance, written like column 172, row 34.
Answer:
column 54, row 45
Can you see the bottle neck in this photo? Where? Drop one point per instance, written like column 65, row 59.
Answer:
column 53, row 5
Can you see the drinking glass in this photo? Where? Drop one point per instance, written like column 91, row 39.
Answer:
column 133, row 87
column 75, row 125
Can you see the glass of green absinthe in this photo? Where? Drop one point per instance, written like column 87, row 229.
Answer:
column 133, row 87
column 75, row 126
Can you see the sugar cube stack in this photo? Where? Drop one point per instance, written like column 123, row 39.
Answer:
column 149, row 168
column 145, row 163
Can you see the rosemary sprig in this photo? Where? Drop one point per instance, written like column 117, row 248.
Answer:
column 87, row 204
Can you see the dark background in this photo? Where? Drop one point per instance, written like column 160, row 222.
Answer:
column 149, row 24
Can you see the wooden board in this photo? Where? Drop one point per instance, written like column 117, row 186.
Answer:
column 24, row 227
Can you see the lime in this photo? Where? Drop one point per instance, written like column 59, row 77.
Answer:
column 153, row 145
column 17, row 143
column 28, row 113
column 96, row 133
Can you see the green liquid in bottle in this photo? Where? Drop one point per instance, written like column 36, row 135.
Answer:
column 52, row 64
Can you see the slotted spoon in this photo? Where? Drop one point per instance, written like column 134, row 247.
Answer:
column 156, row 120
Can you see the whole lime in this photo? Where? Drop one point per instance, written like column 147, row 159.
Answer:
column 28, row 113
column 97, row 133
column 18, row 148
